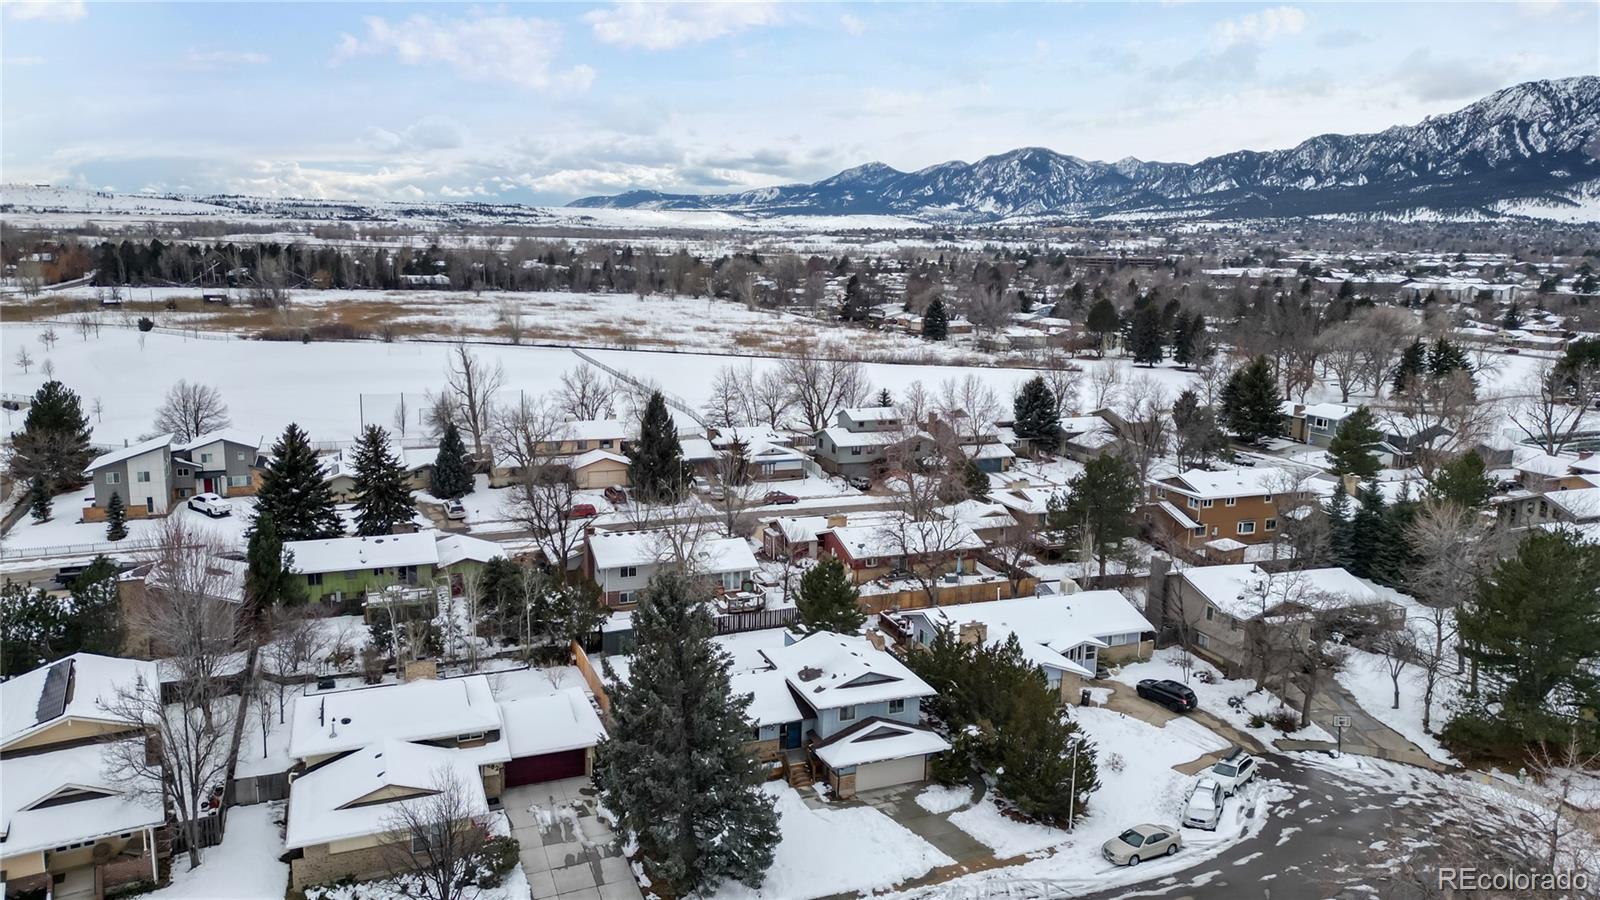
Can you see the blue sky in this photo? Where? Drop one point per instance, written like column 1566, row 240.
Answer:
column 548, row 102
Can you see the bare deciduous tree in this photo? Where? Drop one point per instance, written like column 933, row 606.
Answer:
column 584, row 395
column 470, row 386
column 824, row 379
column 1551, row 405
column 190, row 410
column 435, row 837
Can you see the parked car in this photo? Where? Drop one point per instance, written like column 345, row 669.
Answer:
column 582, row 511
column 779, row 497
column 211, row 504
column 455, row 509
column 1235, row 770
column 701, row 484
column 1174, row 696
column 1141, row 842
column 861, row 482
column 616, row 495
column 1203, row 807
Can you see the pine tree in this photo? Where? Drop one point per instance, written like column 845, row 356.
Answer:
column 1180, row 338
column 269, row 576
column 1251, row 406
column 1350, row 451
column 1462, row 481
column 1445, row 358
column 383, row 499
column 885, row 399
column 657, row 469
column 935, row 321
column 1098, row 509
column 96, row 623
column 675, row 769
column 54, row 441
column 828, row 601
column 1340, row 547
column 38, row 499
column 1196, row 437
column 452, row 468
column 1410, row 369
column 116, row 518
column 294, row 493
column 974, row 481
column 1196, row 341
column 1102, row 323
column 1369, row 530
column 34, row 628
column 1036, row 419
column 1513, row 318
column 1145, row 339
column 856, row 302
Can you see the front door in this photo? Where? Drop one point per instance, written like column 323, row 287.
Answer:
column 790, row 733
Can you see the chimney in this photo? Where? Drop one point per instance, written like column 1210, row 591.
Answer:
column 974, row 633
column 1299, row 409
column 1585, row 454
column 420, row 670
column 837, row 520
column 875, row 638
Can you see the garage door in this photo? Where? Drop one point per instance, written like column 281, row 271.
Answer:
column 887, row 773
column 547, row 767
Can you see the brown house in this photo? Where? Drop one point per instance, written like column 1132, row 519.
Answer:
column 1197, row 507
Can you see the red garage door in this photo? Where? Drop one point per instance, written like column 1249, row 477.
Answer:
column 546, row 767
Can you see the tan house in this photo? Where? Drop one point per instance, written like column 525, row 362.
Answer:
column 573, row 438
column 69, row 831
column 1198, row 506
column 599, row 469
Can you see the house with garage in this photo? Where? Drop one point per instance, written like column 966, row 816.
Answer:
column 622, row 563
column 795, row 537
column 875, row 550
column 1197, row 506
column 861, row 718
column 339, row 469
column 596, row 470
column 582, row 435
column 156, row 475
column 865, row 441
column 67, row 829
column 336, row 569
column 551, row 737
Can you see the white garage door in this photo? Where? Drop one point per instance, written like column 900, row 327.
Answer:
column 889, row 772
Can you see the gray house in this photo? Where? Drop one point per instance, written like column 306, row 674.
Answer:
column 155, row 475
column 861, row 440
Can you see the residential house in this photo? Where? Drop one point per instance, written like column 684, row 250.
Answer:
column 1218, row 610
column 343, row 568
column 860, row 714
column 227, row 462
column 872, row 551
column 581, row 436
column 339, row 470
column 1197, row 506
column 990, row 521
column 219, row 579
column 155, row 475
column 597, row 469
column 796, row 537
column 68, row 829
column 1085, row 437
column 622, row 563
column 1066, row 635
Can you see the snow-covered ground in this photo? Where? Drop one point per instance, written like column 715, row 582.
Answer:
column 1366, row 677
column 244, row 866
column 836, row 850
column 1214, row 696
column 66, row 526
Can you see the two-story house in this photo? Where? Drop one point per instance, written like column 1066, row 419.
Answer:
column 1196, row 507
column 860, row 713
column 67, row 828
column 155, row 476
column 862, row 441
column 622, row 563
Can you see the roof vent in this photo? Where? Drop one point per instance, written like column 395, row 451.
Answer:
column 810, row 673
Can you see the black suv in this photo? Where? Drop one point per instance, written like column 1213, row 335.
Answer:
column 1168, row 693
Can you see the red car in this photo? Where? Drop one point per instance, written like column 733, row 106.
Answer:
column 582, row 511
column 779, row 497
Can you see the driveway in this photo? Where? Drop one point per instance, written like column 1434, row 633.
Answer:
column 568, row 852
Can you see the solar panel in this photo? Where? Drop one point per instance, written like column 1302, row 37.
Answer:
column 53, row 699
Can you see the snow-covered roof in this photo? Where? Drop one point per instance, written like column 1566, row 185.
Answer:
column 771, row 701
column 1177, row 515
column 833, row 670
column 1225, row 545
column 589, row 458
column 906, row 538
column 1331, row 411
column 1546, row 464
column 457, row 547
column 1245, row 591
column 801, row 529
column 231, row 435
column 347, row 554
column 1238, row 482
column 222, row 579
column 129, row 452
column 977, row 514
column 872, row 413
column 843, row 437
column 647, row 548
column 591, row 430
column 1047, row 626
column 31, row 823
column 74, row 687
column 324, row 804
column 697, row 449
column 1031, row 500
column 994, row 450
column 878, row 739
column 564, row 720
column 1580, row 505
column 430, row 709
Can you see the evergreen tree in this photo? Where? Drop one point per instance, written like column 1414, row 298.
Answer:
column 828, row 601
column 269, row 575
column 383, row 499
column 1369, row 530
column 33, row 628
column 1036, row 419
column 1445, row 358
column 935, row 321
column 294, row 493
column 96, row 622
column 1350, row 451
column 452, row 468
column 974, row 481
column 1412, row 366
column 1102, row 323
column 1340, row 539
column 657, row 469
column 1145, row 339
column 1251, row 406
column 885, row 399
column 1347, row 290
column 54, row 441
column 1180, row 339
column 1462, row 481
column 1513, row 318
column 1531, row 635
column 675, row 769
column 1196, row 340
column 856, row 302
column 1098, row 509
column 116, row 518
column 1196, row 437
column 38, row 499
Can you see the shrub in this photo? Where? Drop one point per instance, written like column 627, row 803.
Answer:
column 498, row 857
column 146, row 323
column 1205, row 676
column 1114, row 762
column 1257, row 720
column 1284, row 720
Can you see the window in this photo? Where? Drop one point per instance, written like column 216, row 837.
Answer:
column 239, row 456
column 606, row 443
column 847, row 713
column 378, row 571
column 628, row 572
column 1193, row 503
column 1231, row 501
column 143, row 478
column 1266, row 498
column 583, row 445
column 1319, row 423
column 113, row 478
column 1210, row 614
column 1270, row 525
column 469, row 738
column 1200, row 639
column 1199, row 531
column 205, row 458
column 238, row 481
column 855, row 451
column 1247, row 527
column 625, row 597
column 897, row 705
column 1207, row 504
column 314, row 579
column 182, row 472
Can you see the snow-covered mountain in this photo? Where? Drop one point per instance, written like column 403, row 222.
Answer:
column 1531, row 149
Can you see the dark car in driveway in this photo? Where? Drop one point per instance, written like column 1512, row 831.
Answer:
column 1174, row 696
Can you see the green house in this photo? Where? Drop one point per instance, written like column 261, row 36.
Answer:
column 348, row 568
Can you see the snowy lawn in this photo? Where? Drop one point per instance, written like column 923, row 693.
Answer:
column 1213, row 697
column 486, row 505
column 1366, row 677
column 830, row 851
column 535, row 682
column 1005, row 836
column 243, row 867
column 513, row 887
column 66, row 526
column 939, row 798
column 260, row 755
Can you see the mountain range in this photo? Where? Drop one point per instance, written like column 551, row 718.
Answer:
column 1529, row 149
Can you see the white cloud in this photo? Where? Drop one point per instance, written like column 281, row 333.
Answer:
column 431, row 133
column 23, row 60
column 46, row 10
column 515, row 49
column 205, row 59
column 1256, row 27
column 852, row 25
column 662, row 26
